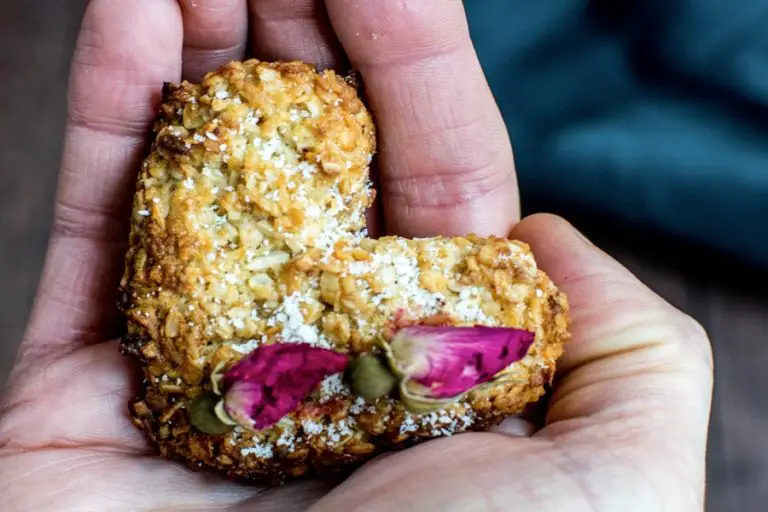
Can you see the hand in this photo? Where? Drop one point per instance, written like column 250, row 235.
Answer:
column 626, row 427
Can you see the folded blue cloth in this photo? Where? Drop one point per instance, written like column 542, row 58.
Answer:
column 652, row 112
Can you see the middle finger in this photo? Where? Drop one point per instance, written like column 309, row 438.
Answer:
column 215, row 32
column 294, row 30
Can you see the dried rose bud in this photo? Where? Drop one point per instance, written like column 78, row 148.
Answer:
column 437, row 365
column 271, row 381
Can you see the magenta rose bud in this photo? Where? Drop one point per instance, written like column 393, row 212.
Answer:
column 439, row 364
column 273, row 380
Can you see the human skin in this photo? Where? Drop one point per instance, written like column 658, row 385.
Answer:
column 626, row 425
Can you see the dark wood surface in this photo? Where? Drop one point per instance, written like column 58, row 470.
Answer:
column 36, row 40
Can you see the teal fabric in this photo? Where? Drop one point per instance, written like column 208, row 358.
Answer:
column 651, row 112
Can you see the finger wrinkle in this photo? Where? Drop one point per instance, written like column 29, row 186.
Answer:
column 439, row 189
column 200, row 61
column 594, row 334
column 412, row 58
column 457, row 130
column 494, row 217
column 215, row 33
column 288, row 35
column 131, row 118
column 206, row 48
column 449, row 118
column 280, row 18
column 96, row 52
column 651, row 355
column 82, row 222
column 62, row 332
column 648, row 399
column 285, row 9
column 77, row 298
column 598, row 288
column 457, row 150
column 107, row 447
column 95, row 185
column 72, row 300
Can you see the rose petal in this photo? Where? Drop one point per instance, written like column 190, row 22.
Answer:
column 271, row 381
column 449, row 361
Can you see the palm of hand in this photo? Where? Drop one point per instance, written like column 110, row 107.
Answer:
column 626, row 426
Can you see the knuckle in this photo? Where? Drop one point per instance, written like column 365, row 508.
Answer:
column 438, row 187
column 86, row 223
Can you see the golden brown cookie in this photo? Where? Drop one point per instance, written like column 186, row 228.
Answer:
column 248, row 232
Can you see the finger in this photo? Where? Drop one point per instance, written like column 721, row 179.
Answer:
column 467, row 472
column 635, row 364
column 299, row 495
column 294, row 30
column 88, row 387
column 515, row 427
column 613, row 313
column 124, row 53
column 215, row 32
column 445, row 157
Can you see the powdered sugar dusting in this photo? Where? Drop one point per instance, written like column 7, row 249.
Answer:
column 400, row 273
column 468, row 308
column 331, row 433
column 287, row 441
column 439, row 423
column 248, row 346
column 357, row 406
column 357, row 268
column 259, row 450
column 408, row 425
column 339, row 431
column 291, row 319
column 331, row 387
column 311, row 427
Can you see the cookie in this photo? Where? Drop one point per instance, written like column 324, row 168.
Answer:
column 275, row 338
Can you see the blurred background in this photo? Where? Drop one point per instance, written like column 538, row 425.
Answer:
column 645, row 123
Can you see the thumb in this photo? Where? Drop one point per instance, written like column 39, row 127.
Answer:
column 636, row 367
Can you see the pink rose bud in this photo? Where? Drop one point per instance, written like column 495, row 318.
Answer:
column 271, row 381
column 439, row 364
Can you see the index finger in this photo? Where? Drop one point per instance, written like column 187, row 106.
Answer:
column 445, row 157
column 125, row 51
